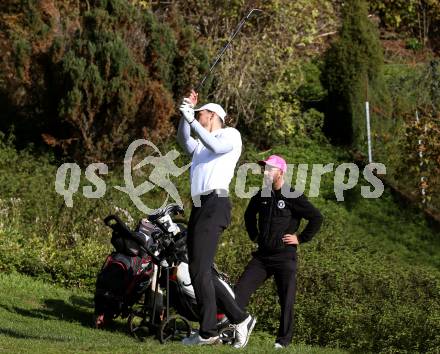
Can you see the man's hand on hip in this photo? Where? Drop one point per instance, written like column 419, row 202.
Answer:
column 289, row 239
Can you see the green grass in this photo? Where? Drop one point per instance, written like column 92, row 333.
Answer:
column 36, row 317
column 373, row 268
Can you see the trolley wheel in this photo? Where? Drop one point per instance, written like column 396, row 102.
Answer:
column 227, row 335
column 174, row 328
column 138, row 326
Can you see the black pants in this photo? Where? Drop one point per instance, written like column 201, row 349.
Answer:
column 283, row 268
column 206, row 223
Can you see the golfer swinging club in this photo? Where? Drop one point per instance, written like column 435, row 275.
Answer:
column 214, row 156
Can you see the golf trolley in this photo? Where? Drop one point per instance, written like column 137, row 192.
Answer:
column 147, row 280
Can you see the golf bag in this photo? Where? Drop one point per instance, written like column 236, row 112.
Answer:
column 182, row 295
column 126, row 273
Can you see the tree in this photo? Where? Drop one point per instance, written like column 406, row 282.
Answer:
column 88, row 77
column 353, row 63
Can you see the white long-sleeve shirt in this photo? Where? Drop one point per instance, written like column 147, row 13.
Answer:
column 214, row 156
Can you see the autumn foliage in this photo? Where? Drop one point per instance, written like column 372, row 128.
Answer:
column 87, row 77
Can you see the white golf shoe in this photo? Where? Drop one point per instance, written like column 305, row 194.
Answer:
column 243, row 330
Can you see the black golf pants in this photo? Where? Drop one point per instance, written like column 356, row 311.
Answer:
column 282, row 266
column 206, row 223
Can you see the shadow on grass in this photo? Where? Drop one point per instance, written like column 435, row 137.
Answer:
column 15, row 334
column 82, row 301
column 80, row 311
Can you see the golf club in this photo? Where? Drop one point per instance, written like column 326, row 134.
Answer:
column 223, row 50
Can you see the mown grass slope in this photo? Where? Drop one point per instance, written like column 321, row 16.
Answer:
column 39, row 318
column 369, row 281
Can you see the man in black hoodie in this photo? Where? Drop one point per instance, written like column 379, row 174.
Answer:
column 280, row 210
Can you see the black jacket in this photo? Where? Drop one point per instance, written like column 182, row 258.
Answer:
column 279, row 215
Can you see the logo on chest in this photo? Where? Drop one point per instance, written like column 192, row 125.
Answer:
column 281, row 204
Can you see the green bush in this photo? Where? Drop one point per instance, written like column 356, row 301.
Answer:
column 86, row 79
column 396, row 133
column 311, row 91
column 361, row 281
column 419, row 18
column 287, row 111
column 414, row 44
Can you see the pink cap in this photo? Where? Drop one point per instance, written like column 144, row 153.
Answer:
column 275, row 161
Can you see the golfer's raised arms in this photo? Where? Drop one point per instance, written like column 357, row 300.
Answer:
column 184, row 138
column 216, row 142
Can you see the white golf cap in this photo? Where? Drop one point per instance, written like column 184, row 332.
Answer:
column 213, row 107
